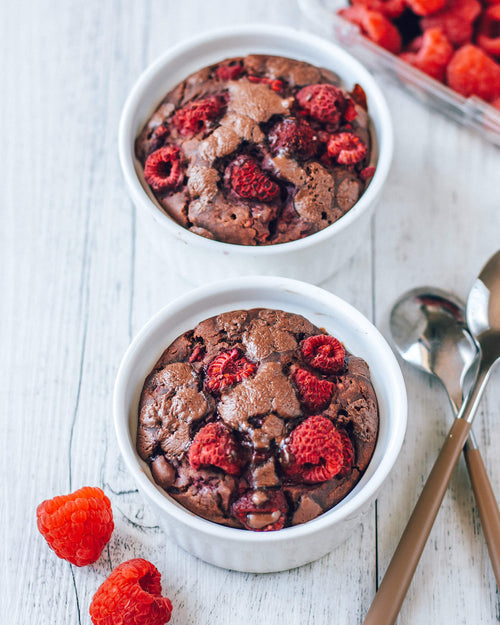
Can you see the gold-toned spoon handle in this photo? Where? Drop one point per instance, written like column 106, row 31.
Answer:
column 394, row 586
column 486, row 504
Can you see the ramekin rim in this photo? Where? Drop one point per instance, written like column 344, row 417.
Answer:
column 140, row 196
column 209, row 528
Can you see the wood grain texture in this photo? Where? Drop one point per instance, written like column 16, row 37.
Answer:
column 78, row 279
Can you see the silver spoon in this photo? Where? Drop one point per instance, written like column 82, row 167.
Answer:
column 429, row 330
column 483, row 318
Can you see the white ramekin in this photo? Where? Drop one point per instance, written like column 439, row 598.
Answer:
column 313, row 258
column 244, row 550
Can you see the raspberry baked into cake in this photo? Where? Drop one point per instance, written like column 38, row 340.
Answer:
column 258, row 150
column 257, row 419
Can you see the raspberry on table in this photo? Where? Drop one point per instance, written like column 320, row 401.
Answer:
column 472, row 72
column 324, row 352
column 317, row 450
column 77, row 526
column 227, row 369
column 261, row 516
column 346, row 148
column 163, row 169
column 294, row 137
column 215, row 445
column 192, row 118
column 131, row 595
column 314, row 393
column 433, row 55
column 249, row 181
column 375, row 26
column 326, row 103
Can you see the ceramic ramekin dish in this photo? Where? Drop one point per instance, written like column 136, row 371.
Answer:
column 244, row 550
column 313, row 258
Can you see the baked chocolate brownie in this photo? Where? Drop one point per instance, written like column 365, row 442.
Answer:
column 258, row 150
column 257, row 419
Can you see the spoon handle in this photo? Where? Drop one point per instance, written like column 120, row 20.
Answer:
column 487, row 505
column 394, row 586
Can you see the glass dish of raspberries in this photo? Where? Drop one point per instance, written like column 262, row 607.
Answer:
column 446, row 52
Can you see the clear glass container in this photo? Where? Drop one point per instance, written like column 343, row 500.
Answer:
column 471, row 112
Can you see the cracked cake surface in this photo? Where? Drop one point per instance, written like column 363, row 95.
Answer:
column 257, row 419
column 257, row 150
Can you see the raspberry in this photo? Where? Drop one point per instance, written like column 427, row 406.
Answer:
column 215, row 445
column 367, row 173
column 472, row 72
column 390, row 8
column 314, row 393
column 374, row 26
column 228, row 72
column 131, row 595
column 250, row 182
column 455, row 20
column 347, row 454
column 325, row 103
column 272, row 83
column 197, row 354
column 324, row 352
column 191, row 119
column 488, row 37
column 252, row 514
column 317, row 450
column 163, row 169
column 227, row 369
column 77, row 526
column 425, row 7
column 433, row 55
column 346, row 148
column 294, row 137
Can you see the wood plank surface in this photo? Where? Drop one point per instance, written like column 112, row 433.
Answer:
column 78, row 280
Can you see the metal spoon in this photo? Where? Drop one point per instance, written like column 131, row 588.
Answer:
column 483, row 318
column 429, row 330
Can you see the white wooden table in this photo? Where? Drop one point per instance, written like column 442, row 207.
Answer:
column 78, row 280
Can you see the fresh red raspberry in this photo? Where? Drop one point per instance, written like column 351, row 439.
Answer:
column 426, row 7
column 488, row 37
column 472, row 72
column 249, row 181
column 214, row 445
column 346, row 148
column 317, row 450
column 374, row 26
column 193, row 118
column 390, row 8
column 264, row 516
column 227, row 369
column 347, row 454
column 228, row 72
column 367, row 173
column 326, row 103
column 272, row 83
column 324, row 352
column 77, row 526
column 433, row 55
column 131, row 595
column 455, row 20
column 294, row 137
column 197, row 354
column 163, row 169
column 314, row 393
